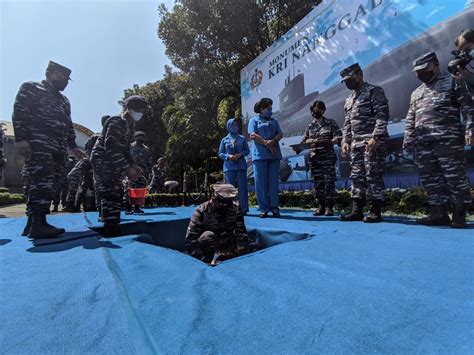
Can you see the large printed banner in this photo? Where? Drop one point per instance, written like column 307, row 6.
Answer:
column 383, row 36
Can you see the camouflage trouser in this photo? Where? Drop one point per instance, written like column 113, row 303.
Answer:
column 157, row 185
column 61, row 188
column 367, row 172
column 74, row 180
column 443, row 172
column 208, row 244
column 86, row 185
column 323, row 172
column 42, row 168
column 107, row 185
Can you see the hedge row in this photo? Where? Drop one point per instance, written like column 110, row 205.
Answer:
column 400, row 201
column 8, row 198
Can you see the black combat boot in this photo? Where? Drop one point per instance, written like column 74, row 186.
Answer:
column 40, row 229
column 26, row 230
column 459, row 216
column 138, row 210
column 375, row 213
column 357, row 213
column 438, row 217
column 71, row 207
column 321, row 208
column 329, row 208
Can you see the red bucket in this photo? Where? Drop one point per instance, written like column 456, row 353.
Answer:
column 137, row 195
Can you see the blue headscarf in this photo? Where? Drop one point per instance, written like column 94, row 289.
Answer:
column 229, row 124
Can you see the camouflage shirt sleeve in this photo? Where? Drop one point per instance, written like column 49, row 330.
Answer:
column 22, row 111
column 464, row 99
column 347, row 129
column 410, row 124
column 195, row 229
column 116, row 149
column 71, row 139
column 382, row 114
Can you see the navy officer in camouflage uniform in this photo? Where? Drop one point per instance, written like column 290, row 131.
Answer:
column 43, row 134
column 365, row 137
column 217, row 230
column 111, row 159
column 322, row 133
column 433, row 129
column 159, row 172
column 81, row 172
column 143, row 158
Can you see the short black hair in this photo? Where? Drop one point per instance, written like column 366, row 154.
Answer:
column 467, row 34
column 262, row 104
column 319, row 104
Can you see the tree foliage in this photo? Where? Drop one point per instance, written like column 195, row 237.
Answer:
column 209, row 41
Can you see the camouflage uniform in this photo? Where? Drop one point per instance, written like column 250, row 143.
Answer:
column 434, row 127
column 322, row 158
column 110, row 159
column 42, row 116
column 158, row 179
column 61, row 182
column 218, row 230
column 143, row 158
column 366, row 117
column 77, row 174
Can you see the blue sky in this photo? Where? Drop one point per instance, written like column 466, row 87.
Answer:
column 109, row 45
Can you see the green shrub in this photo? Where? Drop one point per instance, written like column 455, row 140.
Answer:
column 8, row 199
column 399, row 201
column 4, row 189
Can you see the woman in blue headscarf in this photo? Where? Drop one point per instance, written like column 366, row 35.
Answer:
column 266, row 155
column 232, row 150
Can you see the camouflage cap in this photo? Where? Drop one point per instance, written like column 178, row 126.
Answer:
column 346, row 73
column 55, row 67
column 423, row 61
column 139, row 134
column 225, row 190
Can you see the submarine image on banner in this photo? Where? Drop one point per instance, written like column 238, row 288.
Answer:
column 393, row 72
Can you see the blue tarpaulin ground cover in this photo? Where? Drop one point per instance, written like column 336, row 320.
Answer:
column 392, row 287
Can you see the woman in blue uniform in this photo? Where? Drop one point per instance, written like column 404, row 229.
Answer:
column 266, row 155
column 232, row 150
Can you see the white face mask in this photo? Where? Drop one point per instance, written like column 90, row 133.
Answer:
column 135, row 115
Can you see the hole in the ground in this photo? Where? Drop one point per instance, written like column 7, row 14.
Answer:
column 170, row 234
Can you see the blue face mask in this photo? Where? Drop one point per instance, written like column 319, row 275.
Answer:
column 471, row 54
column 234, row 129
column 268, row 114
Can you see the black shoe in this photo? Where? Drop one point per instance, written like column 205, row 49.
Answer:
column 276, row 214
column 319, row 211
column 329, row 212
column 375, row 214
column 138, row 210
column 321, row 208
column 111, row 230
column 41, row 230
column 459, row 216
column 263, row 214
column 438, row 217
column 26, row 230
column 356, row 214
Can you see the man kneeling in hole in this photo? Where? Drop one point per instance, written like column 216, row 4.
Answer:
column 217, row 231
